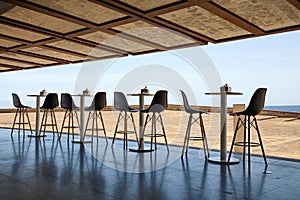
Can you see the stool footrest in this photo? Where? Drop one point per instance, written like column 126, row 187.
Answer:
column 21, row 123
column 123, row 132
column 48, row 125
column 154, row 135
column 196, row 138
column 252, row 144
column 70, row 127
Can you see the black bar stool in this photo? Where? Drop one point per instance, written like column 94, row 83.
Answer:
column 51, row 102
column 255, row 106
column 121, row 104
column 20, row 114
column 191, row 121
column 71, row 110
column 158, row 105
column 98, row 103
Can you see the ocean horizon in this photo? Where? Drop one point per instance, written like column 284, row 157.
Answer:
column 286, row 108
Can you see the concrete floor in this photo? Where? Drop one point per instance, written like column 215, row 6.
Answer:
column 46, row 168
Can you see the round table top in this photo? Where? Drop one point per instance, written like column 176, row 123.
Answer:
column 219, row 93
column 35, row 95
column 139, row 94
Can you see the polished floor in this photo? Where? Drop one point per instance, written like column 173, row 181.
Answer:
column 45, row 168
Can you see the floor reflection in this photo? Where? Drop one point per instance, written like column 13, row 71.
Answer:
column 52, row 169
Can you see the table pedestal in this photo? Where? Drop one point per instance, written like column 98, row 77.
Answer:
column 37, row 116
column 222, row 159
column 141, row 124
column 82, row 120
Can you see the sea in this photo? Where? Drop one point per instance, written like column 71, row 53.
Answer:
column 288, row 108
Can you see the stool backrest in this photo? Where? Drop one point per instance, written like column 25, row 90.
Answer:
column 257, row 102
column 99, row 101
column 16, row 100
column 120, row 102
column 159, row 102
column 51, row 101
column 186, row 105
column 66, row 101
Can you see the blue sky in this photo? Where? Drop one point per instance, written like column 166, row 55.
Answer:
column 268, row 61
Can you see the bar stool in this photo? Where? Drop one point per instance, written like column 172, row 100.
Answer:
column 121, row 104
column 51, row 102
column 68, row 104
column 20, row 114
column 158, row 105
column 191, row 121
column 255, row 106
column 98, row 103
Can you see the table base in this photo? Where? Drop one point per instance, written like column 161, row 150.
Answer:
column 217, row 160
column 37, row 136
column 78, row 141
column 141, row 150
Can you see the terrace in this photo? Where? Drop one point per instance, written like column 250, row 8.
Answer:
column 36, row 34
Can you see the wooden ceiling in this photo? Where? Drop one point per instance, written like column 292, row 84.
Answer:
column 41, row 33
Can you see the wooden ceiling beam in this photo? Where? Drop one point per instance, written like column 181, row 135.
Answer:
column 232, row 18
column 295, row 3
column 51, row 12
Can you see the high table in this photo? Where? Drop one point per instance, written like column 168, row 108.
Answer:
column 141, row 122
column 224, row 91
column 37, row 114
column 82, row 118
